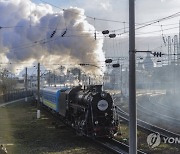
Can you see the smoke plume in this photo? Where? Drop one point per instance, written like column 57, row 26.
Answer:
column 35, row 33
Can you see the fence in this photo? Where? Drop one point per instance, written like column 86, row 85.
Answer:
column 15, row 94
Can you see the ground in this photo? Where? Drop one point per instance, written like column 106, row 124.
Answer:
column 22, row 133
column 142, row 142
column 142, row 137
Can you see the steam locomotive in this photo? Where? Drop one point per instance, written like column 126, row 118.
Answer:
column 89, row 110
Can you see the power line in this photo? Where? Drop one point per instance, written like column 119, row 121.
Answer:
column 100, row 19
column 162, row 19
column 44, row 41
column 158, row 30
column 155, row 21
column 123, row 22
column 149, row 24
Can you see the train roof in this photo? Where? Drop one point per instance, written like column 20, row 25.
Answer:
column 54, row 89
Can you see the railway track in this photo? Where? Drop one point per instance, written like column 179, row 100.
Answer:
column 159, row 116
column 115, row 146
column 110, row 144
column 144, row 125
column 164, row 110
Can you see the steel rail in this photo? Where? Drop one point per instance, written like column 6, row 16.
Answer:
column 115, row 146
column 147, row 126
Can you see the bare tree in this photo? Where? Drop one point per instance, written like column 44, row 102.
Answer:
column 7, row 83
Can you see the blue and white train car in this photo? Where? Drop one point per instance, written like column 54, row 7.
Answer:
column 50, row 97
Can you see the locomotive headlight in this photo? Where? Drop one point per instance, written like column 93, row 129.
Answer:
column 96, row 122
column 103, row 94
column 102, row 105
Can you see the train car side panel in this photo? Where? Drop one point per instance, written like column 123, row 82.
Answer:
column 58, row 94
column 50, row 99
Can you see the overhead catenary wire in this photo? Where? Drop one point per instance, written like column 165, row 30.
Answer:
column 148, row 23
column 123, row 22
column 100, row 19
column 155, row 21
column 118, row 34
column 157, row 31
column 47, row 41
column 155, row 59
column 44, row 41
column 52, row 27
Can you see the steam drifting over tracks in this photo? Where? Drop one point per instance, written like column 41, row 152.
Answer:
column 146, row 126
column 159, row 114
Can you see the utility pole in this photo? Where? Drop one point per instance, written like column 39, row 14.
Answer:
column 169, row 48
column 175, row 61
column 38, row 91
column 79, row 75
column 49, row 78
column 178, row 45
column 54, row 79
column 26, row 84
column 121, row 78
column 89, row 80
column 132, row 81
column 26, row 79
column 175, row 47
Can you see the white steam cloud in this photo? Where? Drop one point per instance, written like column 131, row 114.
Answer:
column 35, row 33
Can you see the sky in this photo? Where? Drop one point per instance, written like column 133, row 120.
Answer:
column 93, row 16
column 146, row 10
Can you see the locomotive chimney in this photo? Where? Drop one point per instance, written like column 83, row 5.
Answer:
column 95, row 88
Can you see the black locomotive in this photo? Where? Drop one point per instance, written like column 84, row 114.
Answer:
column 89, row 110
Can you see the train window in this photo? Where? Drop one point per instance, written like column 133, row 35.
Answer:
column 63, row 90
